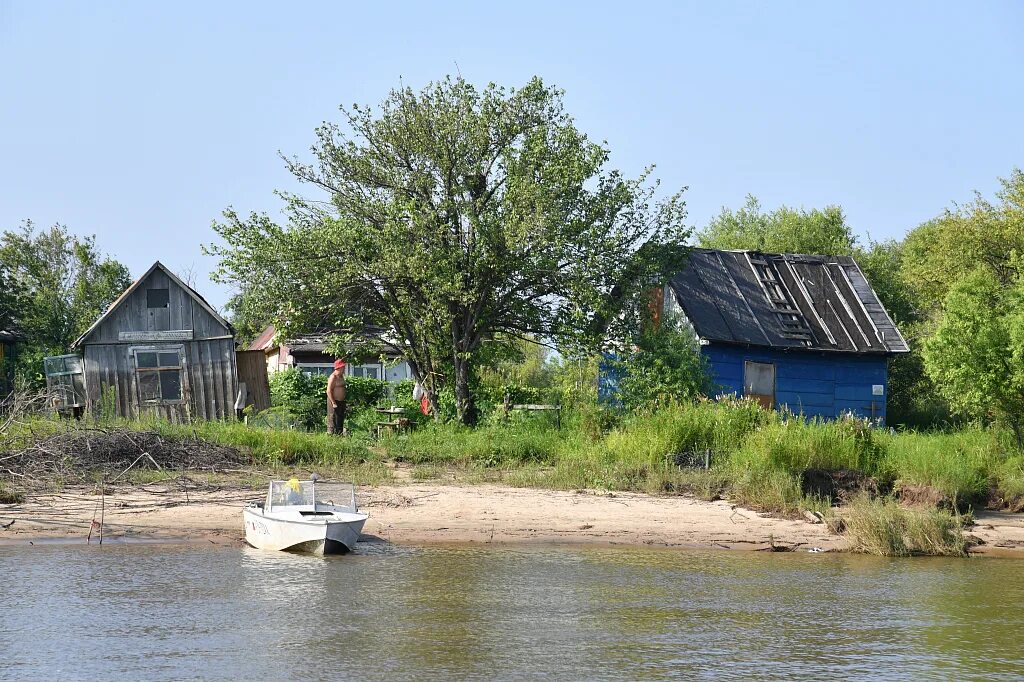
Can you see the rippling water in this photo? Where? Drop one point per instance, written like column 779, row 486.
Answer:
column 470, row 612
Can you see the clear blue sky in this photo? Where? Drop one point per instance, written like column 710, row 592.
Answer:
column 141, row 122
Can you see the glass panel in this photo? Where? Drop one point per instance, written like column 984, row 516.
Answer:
column 759, row 379
column 293, row 492
column 336, row 495
column 145, row 360
column 53, row 366
column 170, row 359
column 73, row 364
column 149, row 386
column 170, row 385
column 78, row 383
column 157, row 298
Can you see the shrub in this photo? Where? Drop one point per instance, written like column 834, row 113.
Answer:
column 302, row 394
column 362, row 392
column 665, row 367
column 10, row 496
column 305, row 395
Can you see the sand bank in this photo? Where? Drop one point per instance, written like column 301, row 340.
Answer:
column 428, row 513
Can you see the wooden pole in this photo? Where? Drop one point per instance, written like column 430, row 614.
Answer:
column 103, row 504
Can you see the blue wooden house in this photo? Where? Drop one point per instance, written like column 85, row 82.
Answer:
column 806, row 333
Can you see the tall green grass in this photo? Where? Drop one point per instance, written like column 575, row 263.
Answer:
column 757, row 457
column 960, row 465
column 886, row 528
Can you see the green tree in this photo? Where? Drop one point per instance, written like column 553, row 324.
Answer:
column 12, row 299
column 948, row 249
column 452, row 217
column 249, row 315
column 784, row 230
column 66, row 282
column 976, row 356
column 664, row 366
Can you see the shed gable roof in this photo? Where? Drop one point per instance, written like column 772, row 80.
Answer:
column 135, row 285
column 784, row 301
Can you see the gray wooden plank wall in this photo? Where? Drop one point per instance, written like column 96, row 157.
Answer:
column 210, row 384
column 182, row 312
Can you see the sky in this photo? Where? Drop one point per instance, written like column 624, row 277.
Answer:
column 140, row 123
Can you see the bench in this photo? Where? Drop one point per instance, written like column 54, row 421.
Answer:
column 557, row 409
column 396, row 426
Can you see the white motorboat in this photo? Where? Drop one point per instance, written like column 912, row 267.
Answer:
column 305, row 516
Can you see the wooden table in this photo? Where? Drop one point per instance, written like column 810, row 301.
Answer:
column 398, row 421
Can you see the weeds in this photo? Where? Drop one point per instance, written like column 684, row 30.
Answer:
column 885, row 528
column 8, row 496
column 757, row 458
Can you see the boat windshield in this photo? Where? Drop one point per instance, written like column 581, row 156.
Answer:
column 291, row 493
column 336, row 495
column 296, row 493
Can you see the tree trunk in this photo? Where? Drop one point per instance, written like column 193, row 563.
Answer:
column 464, row 404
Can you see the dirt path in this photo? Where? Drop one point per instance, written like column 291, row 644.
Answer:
column 426, row 513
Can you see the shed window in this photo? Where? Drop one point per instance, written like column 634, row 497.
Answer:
column 159, row 374
column 157, row 298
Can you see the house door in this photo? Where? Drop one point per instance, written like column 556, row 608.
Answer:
column 759, row 382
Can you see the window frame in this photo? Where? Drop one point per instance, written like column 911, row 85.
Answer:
column 181, row 368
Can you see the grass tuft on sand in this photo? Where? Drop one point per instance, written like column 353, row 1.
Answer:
column 883, row 527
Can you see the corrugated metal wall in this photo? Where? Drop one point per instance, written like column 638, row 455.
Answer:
column 809, row 383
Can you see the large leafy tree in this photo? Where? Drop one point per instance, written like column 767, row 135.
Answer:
column 976, row 355
column 12, row 299
column 65, row 282
column 453, row 217
column 981, row 233
column 784, row 230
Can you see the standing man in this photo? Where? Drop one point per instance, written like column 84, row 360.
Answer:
column 336, row 399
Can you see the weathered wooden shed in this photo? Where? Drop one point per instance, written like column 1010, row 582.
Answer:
column 801, row 332
column 160, row 350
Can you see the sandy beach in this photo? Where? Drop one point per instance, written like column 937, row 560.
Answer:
column 432, row 513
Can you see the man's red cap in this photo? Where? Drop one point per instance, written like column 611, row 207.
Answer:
column 339, row 364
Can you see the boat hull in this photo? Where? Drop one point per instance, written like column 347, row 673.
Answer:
column 333, row 536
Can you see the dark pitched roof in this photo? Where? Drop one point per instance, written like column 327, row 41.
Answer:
column 784, row 301
column 135, row 285
column 9, row 336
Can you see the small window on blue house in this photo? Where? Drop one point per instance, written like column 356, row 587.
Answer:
column 759, row 382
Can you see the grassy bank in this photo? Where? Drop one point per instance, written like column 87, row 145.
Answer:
column 759, row 459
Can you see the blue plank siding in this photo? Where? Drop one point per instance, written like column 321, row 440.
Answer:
column 811, row 383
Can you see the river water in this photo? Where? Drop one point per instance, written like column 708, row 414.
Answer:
column 192, row 611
